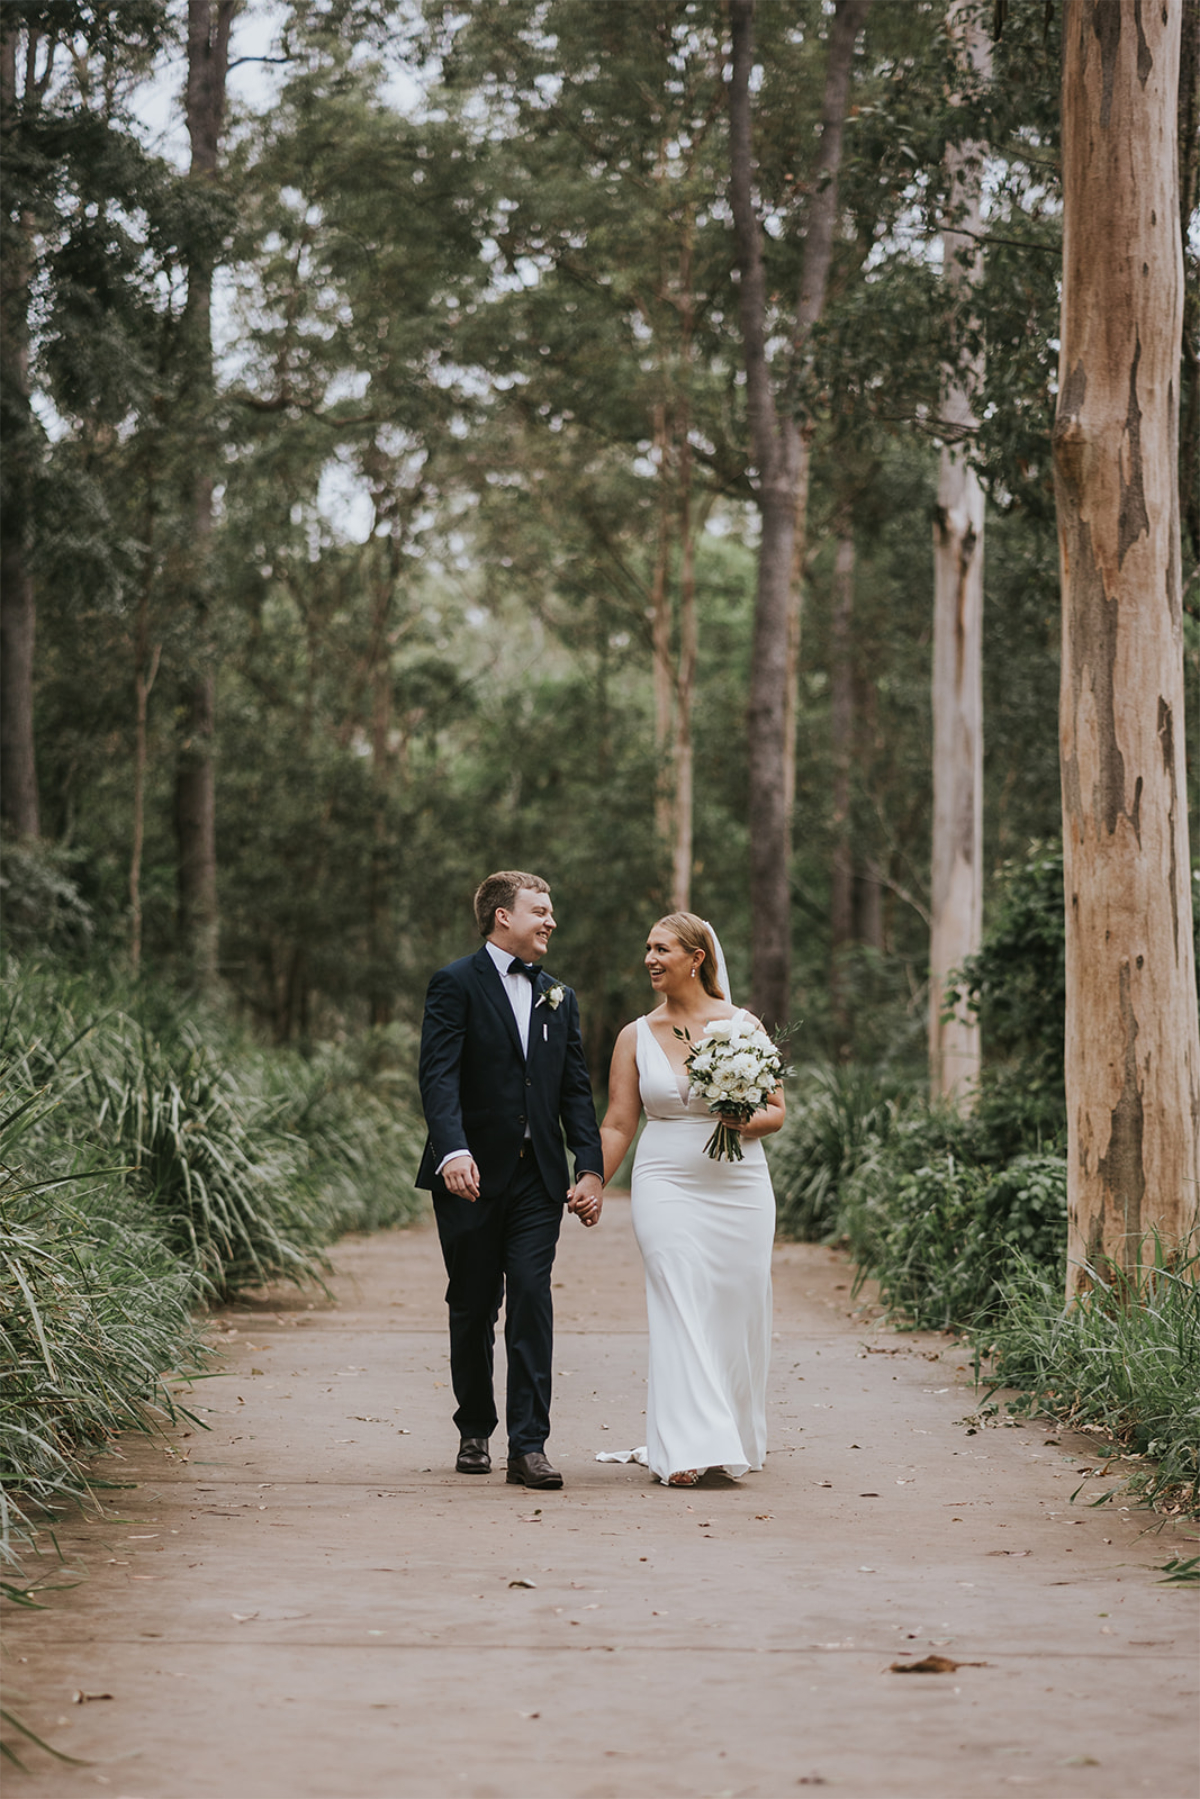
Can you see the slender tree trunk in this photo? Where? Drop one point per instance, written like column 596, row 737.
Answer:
column 382, row 945
column 1132, row 1046
column 685, row 684
column 842, row 733
column 209, row 24
column 868, row 906
column 957, row 859
column 145, row 668
column 660, row 630
column 779, row 452
column 18, row 769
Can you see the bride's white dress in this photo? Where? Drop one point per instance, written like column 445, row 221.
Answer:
column 705, row 1230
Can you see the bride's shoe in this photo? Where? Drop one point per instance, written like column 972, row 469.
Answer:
column 686, row 1477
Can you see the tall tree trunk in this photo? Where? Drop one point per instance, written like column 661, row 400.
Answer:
column 209, row 24
column 685, row 684
column 145, row 668
column 660, row 631
column 381, row 937
column 779, row 448
column 18, row 769
column 1189, row 197
column 1132, row 1045
column 841, row 721
column 957, row 859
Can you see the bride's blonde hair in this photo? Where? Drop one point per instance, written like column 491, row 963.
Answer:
column 694, row 934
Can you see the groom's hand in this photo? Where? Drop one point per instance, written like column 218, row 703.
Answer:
column 584, row 1199
column 462, row 1177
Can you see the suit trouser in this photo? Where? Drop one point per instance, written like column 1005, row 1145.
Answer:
column 502, row 1248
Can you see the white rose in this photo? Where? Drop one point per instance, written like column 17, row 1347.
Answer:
column 720, row 1028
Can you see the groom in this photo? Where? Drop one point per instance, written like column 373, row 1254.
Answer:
column 503, row 1079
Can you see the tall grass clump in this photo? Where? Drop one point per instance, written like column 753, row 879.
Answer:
column 1124, row 1358
column 94, row 1313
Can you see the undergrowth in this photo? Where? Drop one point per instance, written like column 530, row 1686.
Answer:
column 153, row 1161
column 1125, row 1358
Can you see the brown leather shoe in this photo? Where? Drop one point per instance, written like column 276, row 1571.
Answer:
column 473, row 1456
column 532, row 1470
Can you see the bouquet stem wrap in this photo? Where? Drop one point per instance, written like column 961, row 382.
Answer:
column 735, row 1067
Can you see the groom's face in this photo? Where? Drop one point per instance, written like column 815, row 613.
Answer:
column 526, row 926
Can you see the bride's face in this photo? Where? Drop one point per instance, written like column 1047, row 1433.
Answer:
column 668, row 964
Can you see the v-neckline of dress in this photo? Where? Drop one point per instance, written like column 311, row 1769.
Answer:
column 682, row 1083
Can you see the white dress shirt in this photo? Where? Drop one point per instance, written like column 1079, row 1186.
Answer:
column 519, row 989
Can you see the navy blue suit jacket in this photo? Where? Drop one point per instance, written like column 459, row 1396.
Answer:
column 478, row 1091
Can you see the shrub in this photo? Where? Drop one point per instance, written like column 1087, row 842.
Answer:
column 837, row 1114
column 940, row 1238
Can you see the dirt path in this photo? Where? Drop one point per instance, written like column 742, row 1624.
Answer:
column 305, row 1599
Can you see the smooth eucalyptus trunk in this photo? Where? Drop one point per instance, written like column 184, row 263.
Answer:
column 956, row 882
column 1132, row 1048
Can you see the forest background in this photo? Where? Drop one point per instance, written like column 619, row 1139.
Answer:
column 380, row 481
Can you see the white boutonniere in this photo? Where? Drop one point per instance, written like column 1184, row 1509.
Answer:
column 553, row 996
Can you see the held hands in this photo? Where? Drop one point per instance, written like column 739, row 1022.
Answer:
column 585, row 1199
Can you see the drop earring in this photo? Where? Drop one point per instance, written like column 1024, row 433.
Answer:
column 693, row 974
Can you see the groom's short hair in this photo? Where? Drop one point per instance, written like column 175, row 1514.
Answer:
column 501, row 890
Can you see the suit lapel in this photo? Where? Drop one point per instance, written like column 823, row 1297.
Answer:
column 493, row 991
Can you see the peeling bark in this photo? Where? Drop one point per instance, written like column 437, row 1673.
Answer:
column 1132, row 1042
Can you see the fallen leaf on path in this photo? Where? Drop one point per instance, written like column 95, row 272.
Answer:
column 932, row 1664
column 80, row 1698
column 1008, row 1552
column 529, row 1517
column 529, row 1714
column 1080, row 1761
column 243, row 1617
column 522, row 1583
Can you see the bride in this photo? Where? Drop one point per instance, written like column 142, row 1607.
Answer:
column 704, row 1228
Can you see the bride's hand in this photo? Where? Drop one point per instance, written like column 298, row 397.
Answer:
column 750, row 1128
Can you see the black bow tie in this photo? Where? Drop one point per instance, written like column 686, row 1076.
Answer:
column 531, row 970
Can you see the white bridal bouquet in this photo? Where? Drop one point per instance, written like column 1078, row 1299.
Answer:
column 735, row 1067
